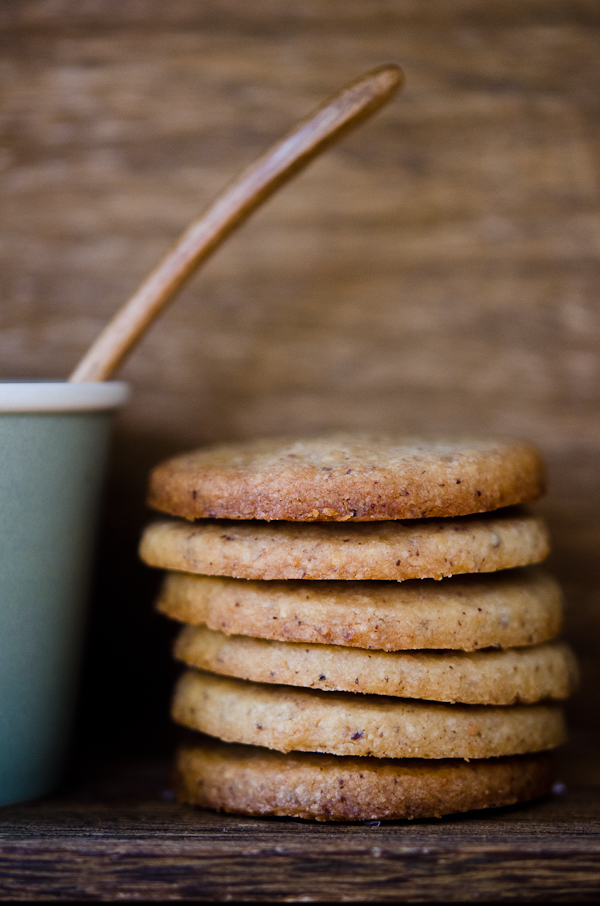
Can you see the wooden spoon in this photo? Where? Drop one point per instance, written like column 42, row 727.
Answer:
column 282, row 161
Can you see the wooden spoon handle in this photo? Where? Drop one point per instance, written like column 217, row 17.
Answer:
column 311, row 136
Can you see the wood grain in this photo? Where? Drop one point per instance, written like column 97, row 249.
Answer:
column 117, row 835
column 438, row 271
column 276, row 166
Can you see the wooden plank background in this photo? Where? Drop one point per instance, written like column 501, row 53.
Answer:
column 437, row 271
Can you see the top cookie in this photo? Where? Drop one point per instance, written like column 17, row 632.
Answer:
column 348, row 478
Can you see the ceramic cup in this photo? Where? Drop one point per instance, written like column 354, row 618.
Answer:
column 53, row 444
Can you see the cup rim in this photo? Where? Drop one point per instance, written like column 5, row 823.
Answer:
column 62, row 396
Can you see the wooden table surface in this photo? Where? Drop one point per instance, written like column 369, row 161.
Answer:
column 118, row 834
column 437, row 272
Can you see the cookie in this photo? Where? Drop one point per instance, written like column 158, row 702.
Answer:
column 348, row 478
column 477, row 678
column 427, row 549
column 254, row 781
column 506, row 609
column 286, row 719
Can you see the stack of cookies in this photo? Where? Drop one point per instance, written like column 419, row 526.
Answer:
column 366, row 633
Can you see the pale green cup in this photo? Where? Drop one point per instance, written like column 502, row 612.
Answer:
column 53, row 444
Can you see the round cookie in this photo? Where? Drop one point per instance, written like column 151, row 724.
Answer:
column 428, row 549
column 507, row 677
column 255, row 781
column 286, row 719
column 506, row 609
column 347, row 477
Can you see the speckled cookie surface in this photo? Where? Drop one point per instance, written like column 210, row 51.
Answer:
column 348, row 478
column 504, row 609
column 254, row 781
column 286, row 719
column 478, row 678
column 427, row 549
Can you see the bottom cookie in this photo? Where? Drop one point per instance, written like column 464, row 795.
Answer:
column 251, row 780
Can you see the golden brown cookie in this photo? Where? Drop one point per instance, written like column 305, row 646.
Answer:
column 255, row 781
column 427, row 549
column 476, row 678
column 286, row 719
column 349, row 478
column 506, row 609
